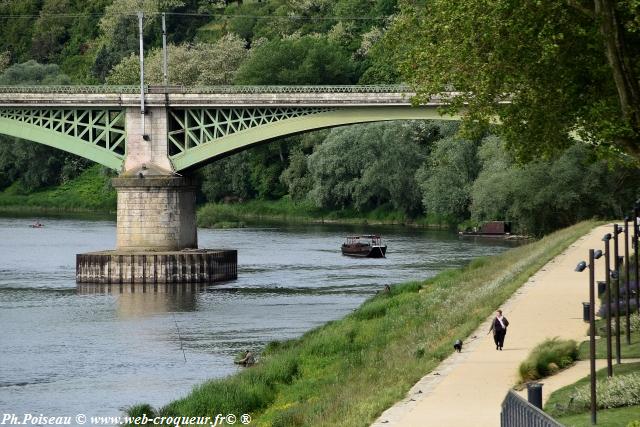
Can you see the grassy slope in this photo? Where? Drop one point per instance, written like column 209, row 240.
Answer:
column 88, row 192
column 348, row 371
column 286, row 210
column 608, row 417
column 631, row 351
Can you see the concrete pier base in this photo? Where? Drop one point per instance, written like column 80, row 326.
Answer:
column 178, row 267
column 155, row 212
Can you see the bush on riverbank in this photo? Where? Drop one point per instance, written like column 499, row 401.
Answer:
column 547, row 358
column 348, row 371
column 286, row 210
column 91, row 191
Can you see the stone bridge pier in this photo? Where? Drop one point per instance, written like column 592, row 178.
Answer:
column 157, row 239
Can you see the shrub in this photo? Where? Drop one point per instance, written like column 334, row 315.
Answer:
column 612, row 392
column 635, row 322
column 548, row 358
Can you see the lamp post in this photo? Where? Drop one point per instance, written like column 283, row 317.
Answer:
column 592, row 327
column 607, row 268
column 636, row 213
column 627, row 298
column 616, row 277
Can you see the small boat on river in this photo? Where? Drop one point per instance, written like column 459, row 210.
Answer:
column 37, row 224
column 365, row 246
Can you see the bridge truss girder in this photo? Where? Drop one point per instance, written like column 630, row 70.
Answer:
column 199, row 135
column 97, row 134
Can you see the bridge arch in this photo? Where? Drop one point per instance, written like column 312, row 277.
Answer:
column 95, row 134
column 219, row 146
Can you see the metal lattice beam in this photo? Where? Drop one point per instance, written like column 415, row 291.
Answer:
column 197, row 138
column 192, row 127
column 96, row 134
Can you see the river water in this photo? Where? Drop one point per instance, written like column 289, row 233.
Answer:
column 66, row 350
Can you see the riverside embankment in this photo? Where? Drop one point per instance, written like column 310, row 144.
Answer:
column 91, row 193
column 470, row 386
column 291, row 278
column 348, row 371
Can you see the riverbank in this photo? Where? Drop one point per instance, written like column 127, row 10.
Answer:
column 477, row 380
column 90, row 192
column 348, row 371
column 285, row 210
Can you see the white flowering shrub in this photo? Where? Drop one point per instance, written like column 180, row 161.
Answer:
column 613, row 392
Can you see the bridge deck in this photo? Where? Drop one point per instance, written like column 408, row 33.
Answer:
column 214, row 96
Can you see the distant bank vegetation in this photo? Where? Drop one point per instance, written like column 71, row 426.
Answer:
column 420, row 172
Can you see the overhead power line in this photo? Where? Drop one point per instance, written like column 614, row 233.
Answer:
column 204, row 15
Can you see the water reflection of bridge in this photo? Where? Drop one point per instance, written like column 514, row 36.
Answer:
column 145, row 300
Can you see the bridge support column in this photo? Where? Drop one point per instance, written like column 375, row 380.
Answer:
column 157, row 239
column 156, row 213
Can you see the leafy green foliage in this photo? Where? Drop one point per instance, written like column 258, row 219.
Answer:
column 446, row 178
column 365, row 166
column 545, row 195
column 33, row 73
column 547, row 358
column 200, row 64
column 555, row 61
column 89, row 191
column 30, row 165
column 617, row 391
column 308, row 60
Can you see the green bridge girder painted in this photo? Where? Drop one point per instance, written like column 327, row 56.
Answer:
column 196, row 134
column 95, row 134
column 216, row 138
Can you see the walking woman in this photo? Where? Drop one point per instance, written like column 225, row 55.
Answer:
column 499, row 328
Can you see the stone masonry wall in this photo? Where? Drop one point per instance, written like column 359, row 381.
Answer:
column 155, row 214
column 147, row 152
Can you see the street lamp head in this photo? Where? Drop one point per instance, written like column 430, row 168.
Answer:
column 614, row 274
column 582, row 265
column 597, row 254
column 627, row 219
column 606, row 237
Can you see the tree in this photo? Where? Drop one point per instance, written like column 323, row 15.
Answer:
column 544, row 195
column 367, row 166
column 34, row 165
column 565, row 66
column 307, row 60
column 50, row 31
column 199, row 64
column 446, row 178
column 33, row 73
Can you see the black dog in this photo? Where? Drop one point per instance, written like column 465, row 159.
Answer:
column 457, row 346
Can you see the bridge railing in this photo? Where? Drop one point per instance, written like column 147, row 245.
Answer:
column 70, row 89
column 231, row 89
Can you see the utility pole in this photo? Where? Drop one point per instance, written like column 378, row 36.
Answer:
column 165, row 75
column 142, row 111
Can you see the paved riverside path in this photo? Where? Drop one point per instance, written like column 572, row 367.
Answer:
column 468, row 388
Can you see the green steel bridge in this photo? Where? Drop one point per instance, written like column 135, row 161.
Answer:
column 150, row 134
column 184, row 127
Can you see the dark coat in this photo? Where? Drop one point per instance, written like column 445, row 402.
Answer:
column 496, row 326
